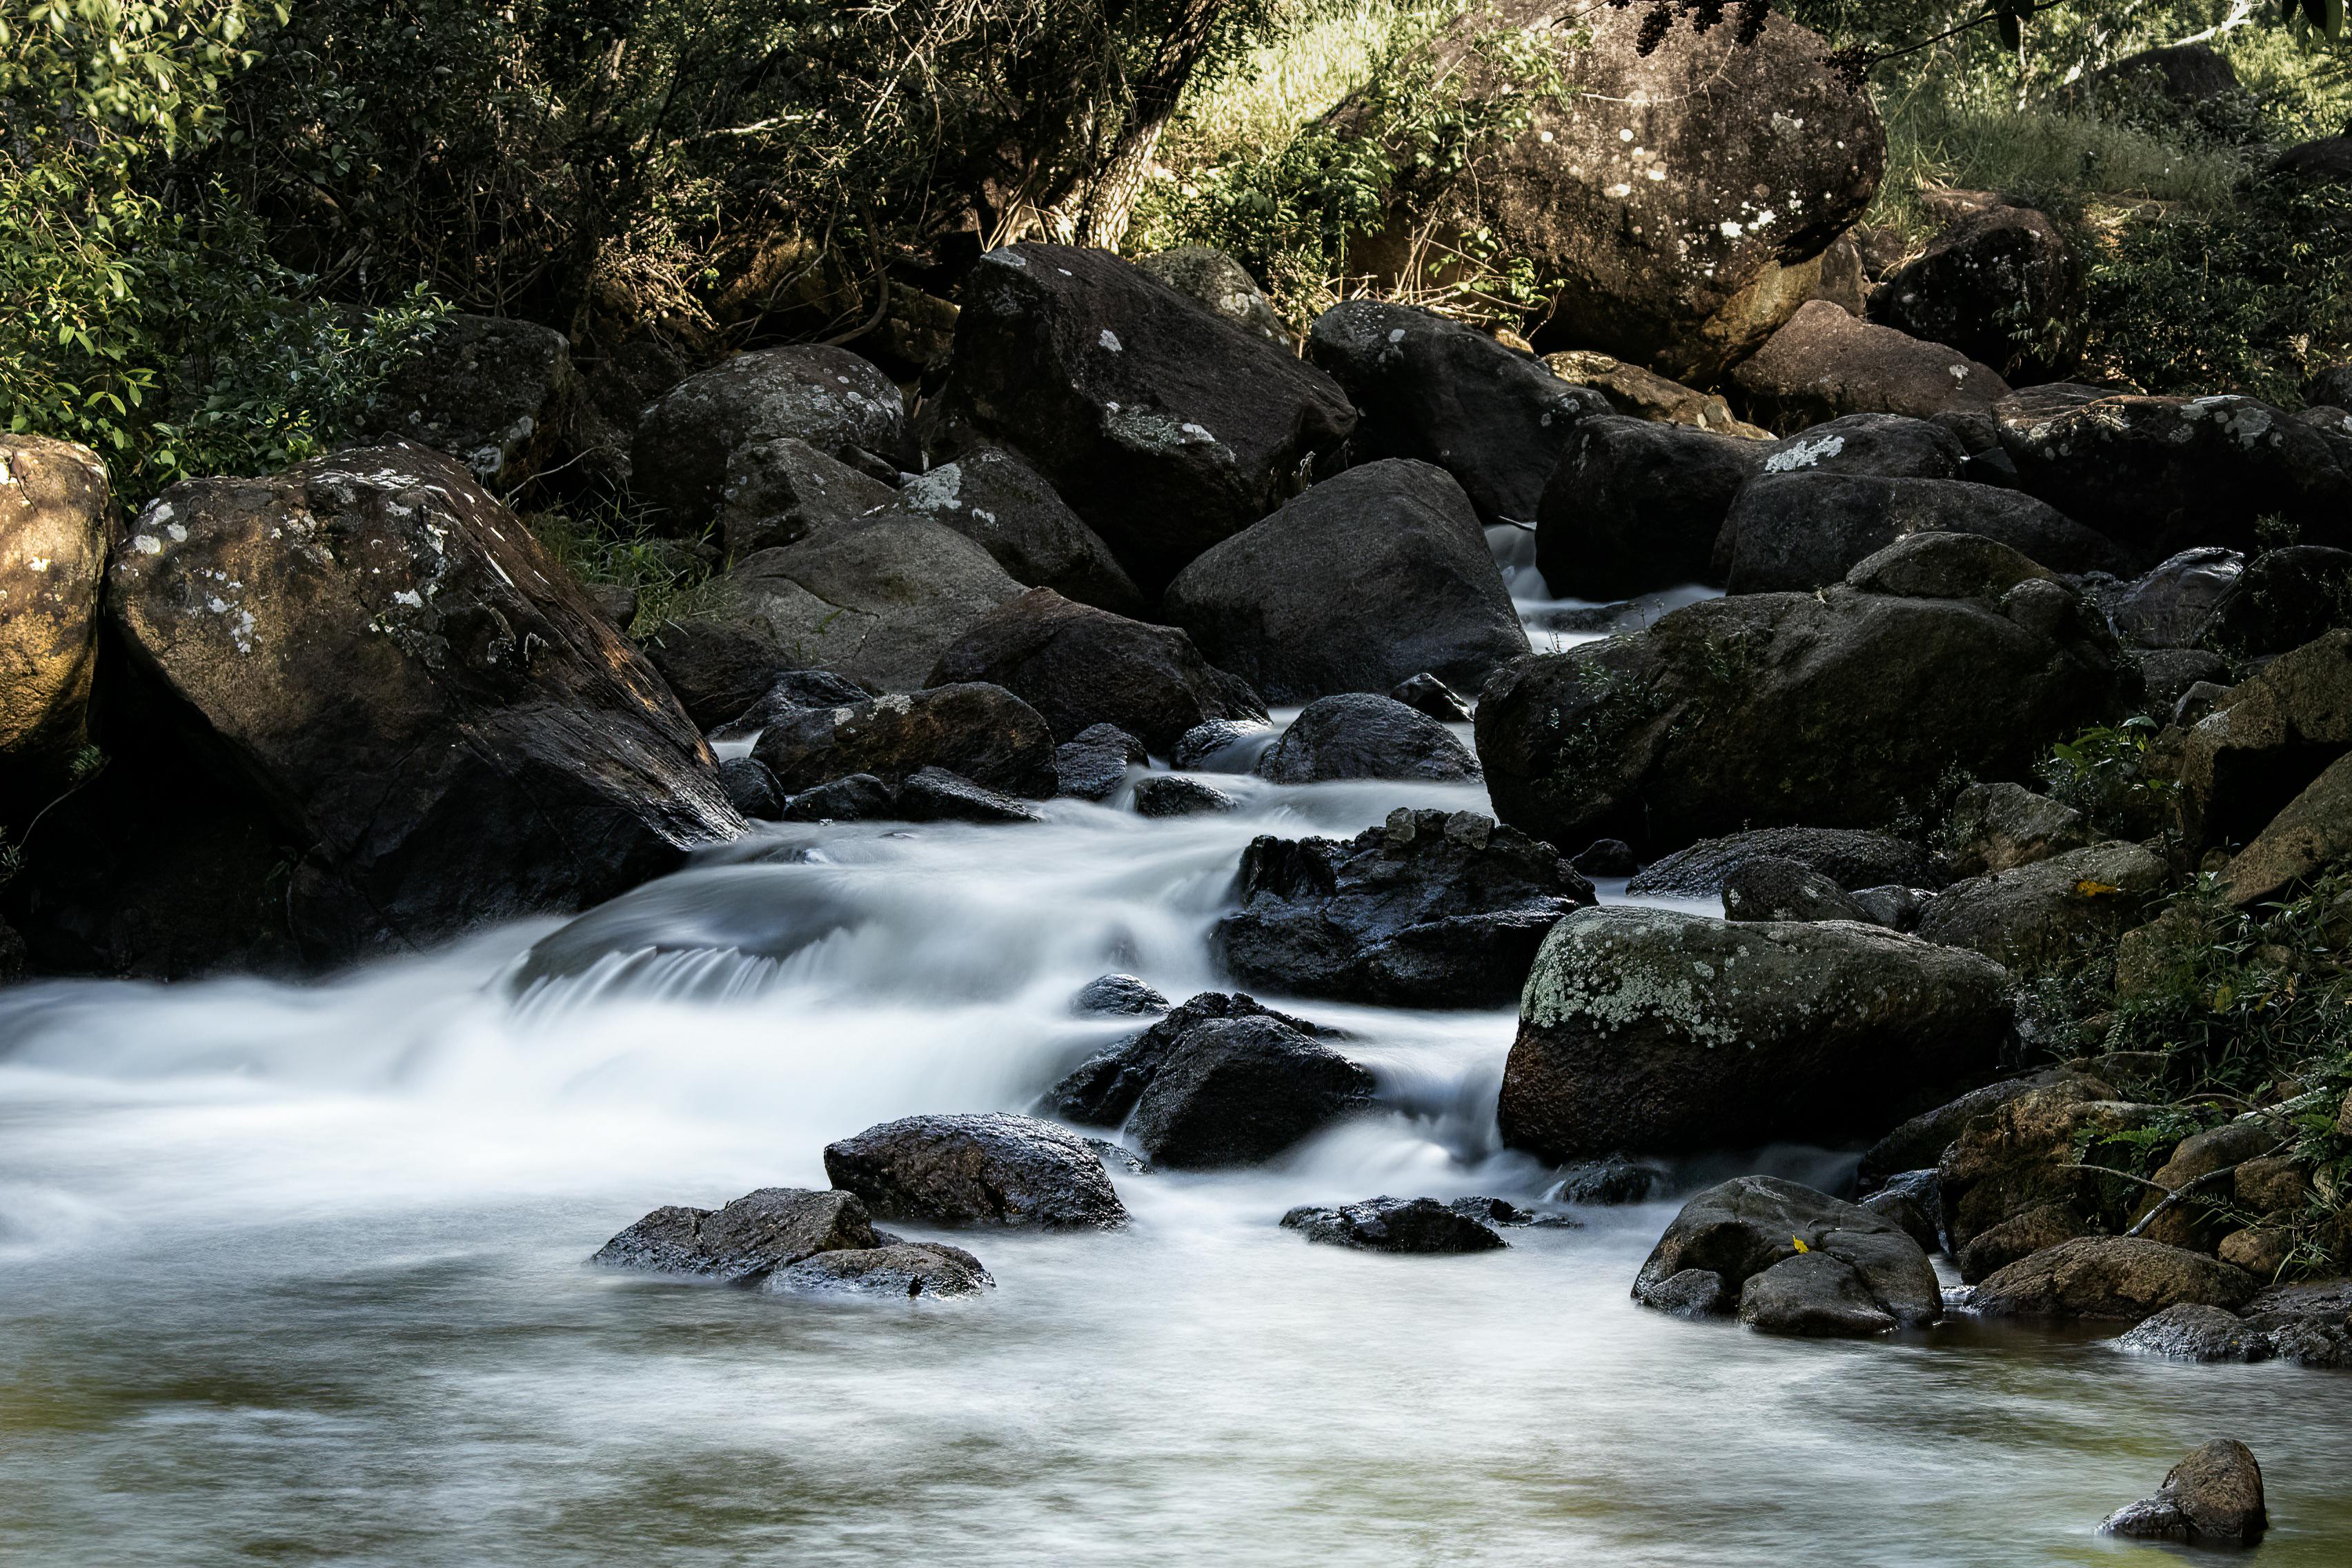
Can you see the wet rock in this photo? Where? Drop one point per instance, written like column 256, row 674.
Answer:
column 1853, row 858
column 1426, row 694
column 1830, row 709
column 2309, row 1324
column 1635, row 506
column 1996, row 286
column 2263, row 744
column 1429, row 910
column 1691, row 1293
column 1376, row 575
column 55, row 507
column 1628, row 1013
column 1359, row 735
column 1240, row 1090
column 1166, row 795
column 2194, row 1333
column 1006, row 507
column 1446, row 393
column 983, row 732
column 793, row 692
column 1608, row 1181
column 1165, row 427
column 2043, row 913
column 1118, row 1157
column 1770, row 888
column 1788, row 531
column 741, row 1243
column 1094, row 766
column 2018, row 1237
column 1910, row 1200
column 2284, row 599
column 1998, row 827
column 859, row 798
column 1639, row 393
column 1220, row 746
column 1825, row 363
column 1394, row 1225
column 751, row 788
column 1102, row 1091
column 1870, row 1276
column 1079, row 666
column 828, row 397
column 1117, row 994
column 985, row 1168
column 1896, row 908
column 907, row 1268
column 2168, row 605
column 2213, row 1496
column 2126, row 1277
column 780, row 492
column 1209, row 278
column 936, row 795
column 419, row 697
column 1606, row 857
column 494, row 392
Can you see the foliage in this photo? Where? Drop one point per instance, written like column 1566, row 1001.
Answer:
column 610, row 546
column 2103, row 773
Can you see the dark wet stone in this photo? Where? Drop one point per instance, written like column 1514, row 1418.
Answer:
column 758, row 1232
column 1394, row 1225
column 1117, row 994
column 1167, row 795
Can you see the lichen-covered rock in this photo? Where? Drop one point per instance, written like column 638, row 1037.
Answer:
column 1007, row 508
column 907, row 1268
column 744, row 1242
column 2213, row 1496
column 1394, row 1225
column 492, row 391
column 1238, row 1090
column 984, row 1169
column 1650, row 1030
column 1996, row 286
column 1101, row 1091
column 1428, row 910
column 54, row 505
column 1359, row 735
column 1446, row 393
column 1853, row 858
column 423, row 700
column 1806, row 531
column 2049, row 912
column 1209, row 278
column 983, row 732
column 1377, row 574
column 1166, row 427
column 1770, row 888
column 1636, row 506
column 1825, row 363
column 779, row 492
column 1998, row 827
column 2126, row 1277
column 1796, row 1260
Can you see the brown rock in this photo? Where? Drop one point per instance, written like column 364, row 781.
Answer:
column 53, row 504
column 2118, row 1277
column 2018, row 1237
column 2260, row 1251
column 1641, row 394
column 2213, row 1496
column 1825, row 363
column 2313, row 832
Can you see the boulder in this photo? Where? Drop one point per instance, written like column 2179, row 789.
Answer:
column 983, row 732
column 1998, row 286
column 1373, row 576
column 1606, row 857
column 1797, row 1261
column 1608, row 1181
column 936, row 795
column 1896, row 907
column 1806, row 531
column 1631, row 1015
column 1440, row 392
column 1832, row 709
column 55, row 507
column 859, row 798
column 2168, row 675
column 1239, row 1091
column 2018, row 1155
column 2330, row 387
column 792, row 692
column 1221, row 746
column 1426, row 693
column 1880, row 446
column 421, row 700
column 1394, row 1225
column 779, row 492
column 1102, row 1091
column 2191, row 1331
column 2284, row 599
column 1006, row 506
column 1357, row 734
column 1911, row 1200
column 2180, row 74
column 2168, row 605
column 983, row 1168
column 1079, row 666
column 1653, row 183
column 907, row 1268
column 1430, row 910
column 751, row 788
column 1639, row 393
column 2213, row 1496
column 2325, row 158
column 2022, row 1234
column 494, row 392
column 1094, row 765
column 1853, row 858
column 1771, row 888
column 2263, row 744
column 1167, row 795
column 1110, row 995
column 2160, row 475
column 2126, row 1277
column 1209, row 278
column 1825, row 363
column 2309, row 1324
column 1921, row 1141
column 2313, row 833
column 743, row 1242
column 2217, row 1152
column 1635, row 506
column 828, row 397
column 1998, row 827
column 1165, row 426
column 2049, row 912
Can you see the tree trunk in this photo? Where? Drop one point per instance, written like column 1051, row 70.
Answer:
column 1111, row 194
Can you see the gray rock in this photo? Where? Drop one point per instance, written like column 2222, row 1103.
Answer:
column 2017, row 1238
column 1240, row 1090
column 982, row 732
column 2213, row 1496
column 1606, row 857
column 907, row 1268
column 1117, row 994
column 780, row 492
column 2309, row 1324
column 1871, row 1277
column 794, row 691
column 2284, row 599
column 1166, row 795
column 1770, row 888
column 1426, row 694
column 2042, row 913
column 740, row 1243
column 2168, row 605
column 1802, row 531
column 751, row 788
column 1096, row 764
column 987, row 1169
column 492, row 391
column 1358, row 735
column 1824, row 363
column 1814, row 1295
column 1608, row 1181
column 1394, row 1225
column 1896, row 907
column 936, row 795
column 1910, row 1202
column 1102, row 1091
column 1635, row 506
column 2194, row 1333
column 1853, row 858
column 859, row 798
column 1221, row 746
column 1007, row 508
column 1210, row 277
column 1998, row 827
column 1996, row 285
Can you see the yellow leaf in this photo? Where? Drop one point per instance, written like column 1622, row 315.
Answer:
column 2090, row 889
column 1799, row 1243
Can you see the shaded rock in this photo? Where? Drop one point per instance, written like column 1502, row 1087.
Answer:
column 1608, row 1181
column 1969, row 566
column 1770, row 888
column 780, row 492
column 1095, row 765
column 1221, row 746
column 1209, row 278
column 2020, row 1235
column 907, row 1268
column 2050, row 911
column 740, row 1244
column 1117, row 994
column 1446, row 393
column 55, row 507
column 1640, row 393
column 1102, row 1091
column 859, row 798
column 2168, row 605
column 828, row 397
column 494, row 392
column 1371, row 577
column 1807, row 530
column 1896, row 907
column 1606, row 857
column 1628, row 1012
column 936, row 795
column 1116, row 1157
column 2284, row 599
column 985, row 1168
column 2196, row 1158
column 2181, row 74
column 2168, row 676
column 1920, row 1142
column 793, row 692
column 2260, row 1251
column 1165, row 427
column 1635, row 505
column 1911, row 1200
column 1851, row 857
column 1429, row 910
column 1871, row 1277
column 616, row 603
column 2126, row 1277
column 2264, row 742
column 1394, row 1225
column 2193, row 1333
column 2324, row 158
column 1691, row 1293
column 2213, row 1496
column 2018, row 1154
column 1006, row 507
column 1238, row 1090
column 1997, row 287
column 1825, row 363
column 751, row 788
column 1079, row 666
column 1997, row 827
column 2309, row 1324
column 1426, row 694
column 1880, row 446
column 1359, row 735
column 2331, row 387
column 983, row 732
column 1166, row 795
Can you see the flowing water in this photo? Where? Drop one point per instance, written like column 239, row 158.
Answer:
column 293, row 1274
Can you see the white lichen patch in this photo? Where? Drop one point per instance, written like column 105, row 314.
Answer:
column 1109, row 340
column 1804, row 454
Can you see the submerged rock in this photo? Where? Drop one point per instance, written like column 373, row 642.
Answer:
column 1797, row 1261
column 908, row 1269
column 1394, row 1225
column 1101, row 1091
column 2191, row 1331
column 984, row 1169
column 2213, row 1496
column 742, row 1242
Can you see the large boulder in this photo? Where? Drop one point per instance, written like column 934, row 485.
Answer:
column 1996, row 285
column 2046, row 913
column 2114, row 1276
column 1792, row 1261
column 494, row 392
column 1853, row 858
column 1636, row 506
column 1209, row 278
column 1102, row 1091
column 2312, row 834
column 1441, row 393
column 779, row 492
column 424, row 700
column 981, row 1168
column 1361, row 734
column 1079, row 666
column 1998, row 827
column 1166, row 427
column 2284, row 599
column 1682, row 194
column 1428, row 910
column 2264, row 742
column 1806, row 531
column 1656, row 1030
column 1239, row 1091
column 983, row 732
column 1006, row 506
column 2160, row 475
column 1836, row 709
column 1825, row 363
column 2213, row 1496
column 745, row 1240
column 1371, row 577
column 2170, row 604
column 55, row 503
column 1885, row 445
column 828, row 397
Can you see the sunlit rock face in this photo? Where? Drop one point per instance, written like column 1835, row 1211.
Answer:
column 1682, row 199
